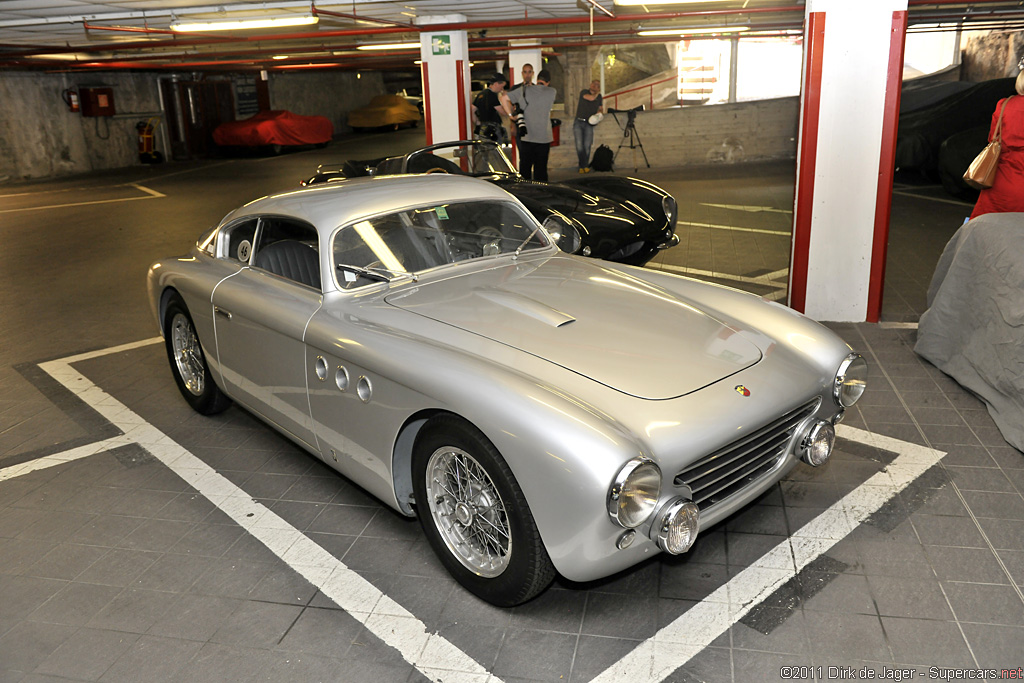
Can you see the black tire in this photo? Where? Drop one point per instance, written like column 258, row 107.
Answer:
column 188, row 363
column 492, row 500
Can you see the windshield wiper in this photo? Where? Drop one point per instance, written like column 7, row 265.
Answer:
column 376, row 274
column 519, row 249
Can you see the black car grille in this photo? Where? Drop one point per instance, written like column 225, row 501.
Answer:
column 729, row 470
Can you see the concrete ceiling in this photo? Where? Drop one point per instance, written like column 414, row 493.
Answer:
column 60, row 35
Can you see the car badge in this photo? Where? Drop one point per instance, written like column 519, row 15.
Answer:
column 740, row 389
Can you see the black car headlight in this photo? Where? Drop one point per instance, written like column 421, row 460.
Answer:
column 851, row 380
column 668, row 204
column 634, row 493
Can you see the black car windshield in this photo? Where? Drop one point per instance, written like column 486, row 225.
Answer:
column 415, row 240
column 481, row 158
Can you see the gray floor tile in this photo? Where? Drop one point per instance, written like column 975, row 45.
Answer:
column 984, row 603
column 609, row 615
column 152, row 658
column 536, row 655
column 927, row 643
column 29, row 643
column 75, row 604
column 962, row 532
column 920, row 598
column 133, row 610
column 87, row 654
column 327, row 632
column 851, row 636
column 257, row 624
column 24, row 594
column 968, row 565
column 995, row 646
column 595, row 654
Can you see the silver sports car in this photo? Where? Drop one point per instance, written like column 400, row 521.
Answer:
column 539, row 412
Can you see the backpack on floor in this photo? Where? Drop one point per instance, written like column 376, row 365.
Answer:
column 603, row 158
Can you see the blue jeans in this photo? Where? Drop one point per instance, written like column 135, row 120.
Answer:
column 583, row 132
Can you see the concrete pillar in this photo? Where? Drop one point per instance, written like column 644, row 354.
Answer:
column 446, row 82
column 853, row 63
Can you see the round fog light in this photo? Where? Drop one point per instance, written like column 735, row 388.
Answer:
column 677, row 529
column 817, row 445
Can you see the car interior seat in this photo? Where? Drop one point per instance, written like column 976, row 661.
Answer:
column 293, row 260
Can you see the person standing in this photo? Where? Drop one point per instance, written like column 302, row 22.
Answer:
column 1007, row 192
column 535, row 102
column 487, row 110
column 590, row 103
column 527, row 74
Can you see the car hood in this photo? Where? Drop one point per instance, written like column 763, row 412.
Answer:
column 571, row 200
column 614, row 329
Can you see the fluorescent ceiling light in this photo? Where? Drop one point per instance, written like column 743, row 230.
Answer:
column 665, row 2
column 390, row 46
column 240, row 24
column 691, row 31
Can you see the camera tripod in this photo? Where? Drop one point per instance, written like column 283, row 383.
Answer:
column 629, row 133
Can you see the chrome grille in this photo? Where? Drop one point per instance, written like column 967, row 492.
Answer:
column 729, row 470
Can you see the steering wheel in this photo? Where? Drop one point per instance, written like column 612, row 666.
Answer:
column 437, row 169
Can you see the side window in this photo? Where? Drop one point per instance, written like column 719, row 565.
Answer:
column 288, row 248
column 235, row 242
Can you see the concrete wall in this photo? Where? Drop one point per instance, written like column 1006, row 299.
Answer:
column 40, row 137
column 991, row 55
column 720, row 133
column 326, row 93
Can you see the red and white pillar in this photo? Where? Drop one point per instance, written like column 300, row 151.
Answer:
column 853, row 67
column 445, row 68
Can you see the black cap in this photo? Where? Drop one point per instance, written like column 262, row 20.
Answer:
column 496, row 78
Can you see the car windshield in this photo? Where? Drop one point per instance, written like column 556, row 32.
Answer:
column 475, row 159
column 382, row 248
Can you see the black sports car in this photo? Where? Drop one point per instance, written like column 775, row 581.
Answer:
column 620, row 219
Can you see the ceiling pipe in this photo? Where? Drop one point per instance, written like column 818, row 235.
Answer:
column 317, row 12
column 568, row 21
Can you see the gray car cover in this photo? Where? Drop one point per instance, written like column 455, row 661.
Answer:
column 973, row 329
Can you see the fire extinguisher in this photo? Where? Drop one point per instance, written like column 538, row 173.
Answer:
column 70, row 98
column 147, row 152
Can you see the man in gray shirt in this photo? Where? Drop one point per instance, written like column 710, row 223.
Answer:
column 535, row 102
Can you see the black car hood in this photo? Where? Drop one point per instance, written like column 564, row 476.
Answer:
column 570, row 200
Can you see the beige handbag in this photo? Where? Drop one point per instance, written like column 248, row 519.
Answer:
column 982, row 172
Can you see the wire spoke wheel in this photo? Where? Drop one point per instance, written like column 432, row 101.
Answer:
column 187, row 356
column 468, row 512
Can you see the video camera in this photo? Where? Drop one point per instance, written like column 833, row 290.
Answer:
column 633, row 111
column 631, row 115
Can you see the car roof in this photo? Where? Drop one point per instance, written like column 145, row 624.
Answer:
column 332, row 204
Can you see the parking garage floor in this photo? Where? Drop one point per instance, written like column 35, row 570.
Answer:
column 903, row 558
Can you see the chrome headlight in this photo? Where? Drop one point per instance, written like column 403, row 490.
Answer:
column 851, row 380
column 817, row 444
column 634, row 493
column 668, row 204
column 677, row 529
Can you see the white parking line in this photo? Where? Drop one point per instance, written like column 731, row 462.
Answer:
column 150, row 194
column 431, row 653
column 734, row 228
column 437, row 658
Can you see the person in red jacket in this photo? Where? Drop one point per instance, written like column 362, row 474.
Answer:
column 1007, row 192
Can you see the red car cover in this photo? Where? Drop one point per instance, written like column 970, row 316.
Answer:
column 275, row 128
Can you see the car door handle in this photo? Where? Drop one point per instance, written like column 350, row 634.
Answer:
column 220, row 311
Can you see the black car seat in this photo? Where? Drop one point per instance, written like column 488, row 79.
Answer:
column 293, row 260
